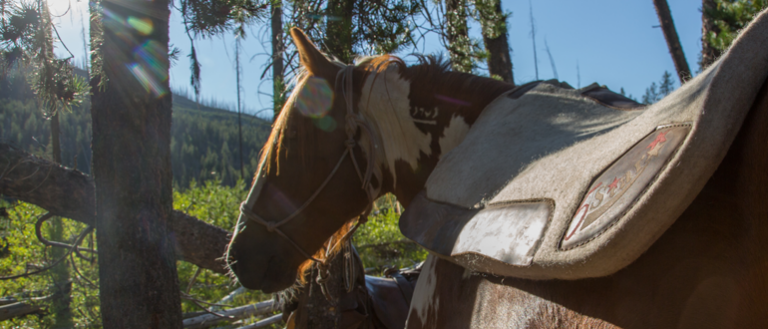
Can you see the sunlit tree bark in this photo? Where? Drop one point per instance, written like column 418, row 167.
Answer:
column 457, row 35
column 673, row 41
column 131, row 113
column 494, row 23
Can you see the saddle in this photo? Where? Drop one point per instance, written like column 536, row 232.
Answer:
column 559, row 183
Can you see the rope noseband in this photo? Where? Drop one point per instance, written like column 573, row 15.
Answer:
column 353, row 123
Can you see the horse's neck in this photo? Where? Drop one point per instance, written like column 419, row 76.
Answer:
column 418, row 118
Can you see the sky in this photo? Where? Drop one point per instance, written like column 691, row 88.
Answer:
column 612, row 42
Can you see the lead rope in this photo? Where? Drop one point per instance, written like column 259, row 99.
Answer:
column 353, row 123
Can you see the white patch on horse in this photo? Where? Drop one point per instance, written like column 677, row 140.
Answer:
column 385, row 105
column 424, row 298
column 453, row 134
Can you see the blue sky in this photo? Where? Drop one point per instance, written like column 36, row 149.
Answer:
column 613, row 42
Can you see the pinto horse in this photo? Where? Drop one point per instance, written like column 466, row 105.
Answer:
column 709, row 270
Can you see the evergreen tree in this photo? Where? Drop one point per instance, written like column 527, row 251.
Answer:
column 723, row 20
column 494, row 23
column 457, row 39
column 655, row 93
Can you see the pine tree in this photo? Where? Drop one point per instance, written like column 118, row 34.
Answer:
column 494, row 23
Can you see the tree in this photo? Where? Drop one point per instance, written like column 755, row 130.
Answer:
column 673, row 41
column 457, row 35
column 59, row 274
column 708, row 27
column 494, row 23
column 131, row 113
column 721, row 22
column 654, row 92
column 27, row 35
column 278, row 80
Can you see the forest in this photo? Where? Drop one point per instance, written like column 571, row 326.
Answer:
column 57, row 124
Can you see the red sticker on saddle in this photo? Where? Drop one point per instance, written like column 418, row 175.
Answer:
column 617, row 188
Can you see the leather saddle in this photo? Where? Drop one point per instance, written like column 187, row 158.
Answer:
column 559, row 183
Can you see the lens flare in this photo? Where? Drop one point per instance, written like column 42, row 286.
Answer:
column 315, row 98
column 150, row 54
column 143, row 25
column 149, row 58
column 326, row 123
column 146, row 80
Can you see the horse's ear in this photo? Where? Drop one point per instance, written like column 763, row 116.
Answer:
column 311, row 58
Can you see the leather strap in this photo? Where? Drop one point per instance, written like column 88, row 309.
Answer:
column 405, row 286
column 353, row 124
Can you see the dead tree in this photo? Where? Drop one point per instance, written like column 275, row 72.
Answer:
column 673, row 41
column 69, row 193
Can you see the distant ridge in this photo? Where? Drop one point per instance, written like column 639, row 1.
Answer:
column 204, row 143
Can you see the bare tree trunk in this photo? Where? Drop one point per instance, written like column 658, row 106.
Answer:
column 131, row 113
column 61, row 299
column 457, row 35
column 673, row 41
column 338, row 29
column 708, row 53
column 278, row 84
column 495, row 36
column 69, row 193
column 533, row 39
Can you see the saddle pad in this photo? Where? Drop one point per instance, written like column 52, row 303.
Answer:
column 557, row 185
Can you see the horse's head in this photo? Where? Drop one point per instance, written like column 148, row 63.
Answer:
column 346, row 135
column 314, row 175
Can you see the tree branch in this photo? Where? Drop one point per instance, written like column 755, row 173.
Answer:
column 69, row 193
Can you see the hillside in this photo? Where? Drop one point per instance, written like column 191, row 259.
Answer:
column 204, row 142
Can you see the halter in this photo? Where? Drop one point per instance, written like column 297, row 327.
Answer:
column 353, row 122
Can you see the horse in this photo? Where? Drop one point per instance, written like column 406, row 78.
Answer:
column 707, row 270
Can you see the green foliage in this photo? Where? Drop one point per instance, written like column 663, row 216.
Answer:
column 380, row 242
column 25, row 253
column 731, row 16
column 210, row 202
column 215, row 204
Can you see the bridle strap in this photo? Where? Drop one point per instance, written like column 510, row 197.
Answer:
column 353, row 122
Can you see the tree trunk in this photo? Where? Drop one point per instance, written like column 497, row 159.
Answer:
column 457, row 35
column 61, row 299
column 69, row 193
column 131, row 113
column 495, row 36
column 278, row 84
column 708, row 53
column 673, row 41
column 338, row 29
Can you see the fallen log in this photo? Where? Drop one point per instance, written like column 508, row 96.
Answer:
column 234, row 314
column 69, row 193
column 11, row 311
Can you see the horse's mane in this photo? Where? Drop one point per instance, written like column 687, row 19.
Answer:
column 429, row 70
